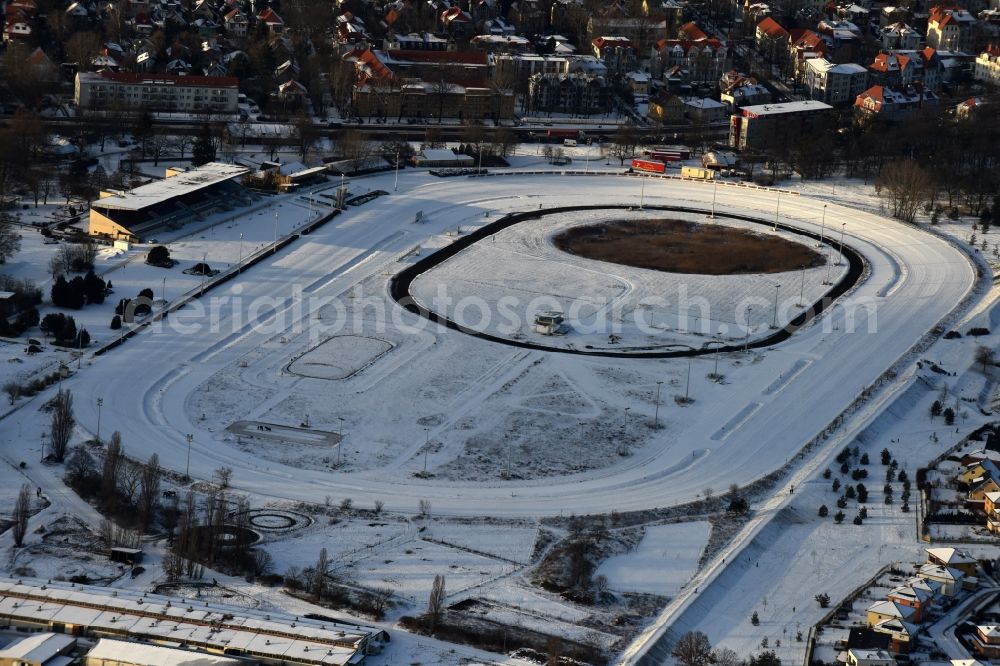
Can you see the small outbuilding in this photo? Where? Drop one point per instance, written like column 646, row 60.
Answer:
column 439, row 157
column 42, row 649
column 130, row 556
column 548, row 323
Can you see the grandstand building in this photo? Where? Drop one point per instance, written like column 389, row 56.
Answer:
column 183, row 196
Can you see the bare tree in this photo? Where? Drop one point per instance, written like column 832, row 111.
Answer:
column 985, row 356
column 181, row 143
column 20, row 514
column 13, row 391
column 262, row 562
column 149, row 490
column 435, row 603
column 112, row 468
column 726, row 657
column 224, row 475
column 906, row 185
column 62, row 424
column 10, row 239
column 693, row 649
column 378, row 506
column 380, row 598
column 356, row 147
column 317, row 586
column 425, row 508
column 129, row 481
column 625, row 142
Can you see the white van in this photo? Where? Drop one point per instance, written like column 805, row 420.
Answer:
column 571, row 143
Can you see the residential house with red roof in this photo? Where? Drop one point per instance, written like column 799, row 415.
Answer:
column 986, row 641
column 950, row 28
column 618, row 54
column 275, row 24
column 772, row 40
column 236, row 22
column 704, row 61
column 892, row 103
column 427, row 84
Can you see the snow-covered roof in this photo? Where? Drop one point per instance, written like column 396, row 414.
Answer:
column 704, row 103
column 870, row 655
column 785, row 107
column 989, row 630
column 37, row 648
column 891, row 609
column 162, row 190
column 950, row 556
column 146, row 617
column 141, row 653
column 940, row 573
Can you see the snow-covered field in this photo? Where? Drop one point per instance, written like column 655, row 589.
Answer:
column 666, row 558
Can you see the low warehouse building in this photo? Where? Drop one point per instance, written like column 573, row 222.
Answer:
column 199, row 628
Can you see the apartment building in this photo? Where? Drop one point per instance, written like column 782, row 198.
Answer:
column 834, row 84
column 115, row 91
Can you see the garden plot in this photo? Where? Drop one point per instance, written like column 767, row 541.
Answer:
column 339, row 357
column 664, row 561
column 503, row 541
column 345, row 542
column 68, row 550
column 409, row 569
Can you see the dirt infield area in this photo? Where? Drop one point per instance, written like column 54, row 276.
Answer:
column 677, row 246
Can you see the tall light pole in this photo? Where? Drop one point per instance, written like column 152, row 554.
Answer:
column 479, row 170
column 187, row 469
column 642, row 192
column 395, row 184
column 746, row 340
column 204, row 272
column 777, row 207
column 687, row 384
column 427, row 442
column 275, row 247
column 163, row 292
column 656, row 418
column 840, row 246
column 340, row 435
column 822, row 232
column 802, row 289
column 774, row 321
column 717, row 340
column 100, row 403
column 623, row 450
column 715, row 189
column 239, row 265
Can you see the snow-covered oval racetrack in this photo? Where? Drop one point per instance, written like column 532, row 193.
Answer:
column 147, row 385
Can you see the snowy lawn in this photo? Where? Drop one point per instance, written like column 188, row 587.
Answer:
column 666, row 558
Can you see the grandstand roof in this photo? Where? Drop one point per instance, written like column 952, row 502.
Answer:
column 175, row 186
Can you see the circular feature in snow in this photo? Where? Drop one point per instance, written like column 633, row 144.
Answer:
column 339, row 357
